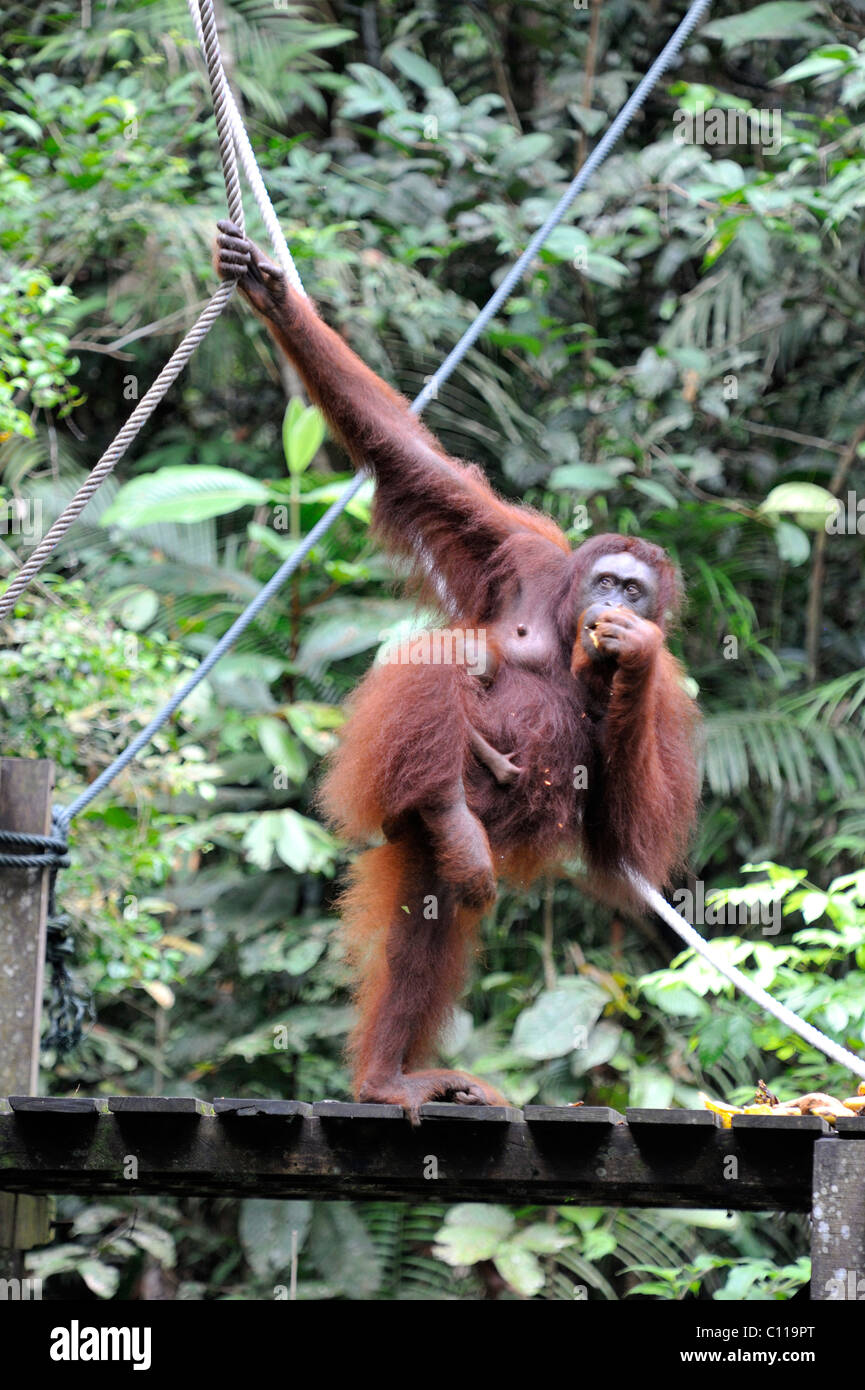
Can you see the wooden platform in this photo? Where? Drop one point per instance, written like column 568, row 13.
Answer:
column 283, row 1148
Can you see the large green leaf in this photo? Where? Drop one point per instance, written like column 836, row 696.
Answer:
column 183, row 493
column 559, row 1021
column 303, row 431
column 472, row 1232
column 271, row 1232
column 810, row 505
column 781, row 19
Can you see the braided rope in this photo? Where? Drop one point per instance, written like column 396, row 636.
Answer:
column 23, row 851
column 221, row 109
column 251, row 170
column 115, row 451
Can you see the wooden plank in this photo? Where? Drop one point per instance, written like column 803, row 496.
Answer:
column 573, row 1115
column 850, row 1127
column 364, row 1156
column 248, row 1108
column 434, row 1110
column 812, row 1125
column 676, row 1119
column 25, row 1221
column 155, row 1106
column 838, row 1222
column 351, row 1110
column 26, row 787
column 56, row 1105
column 471, row 1114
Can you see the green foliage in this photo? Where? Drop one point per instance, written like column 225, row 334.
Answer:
column 183, row 494
column 473, row 1233
column 752, row 1280
column 35, row 362
column 818, row 972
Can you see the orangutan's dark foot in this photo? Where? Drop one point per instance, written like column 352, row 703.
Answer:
column 412, row 1089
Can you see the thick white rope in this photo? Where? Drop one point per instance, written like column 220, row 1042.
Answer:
column 250, row 167
column 692, row 938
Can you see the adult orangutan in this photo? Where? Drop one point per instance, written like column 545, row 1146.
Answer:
column 575, row 735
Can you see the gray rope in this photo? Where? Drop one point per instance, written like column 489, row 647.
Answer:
column 179, row 358
column 287, row 568
column 115, row 451
column 63, row 815
column 219, row 94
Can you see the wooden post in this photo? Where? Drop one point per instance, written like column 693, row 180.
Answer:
column 25, row 805
column 26, row 787
column 838, row 1220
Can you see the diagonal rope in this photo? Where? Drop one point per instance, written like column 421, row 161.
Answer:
column 758, row 996
column 115, row 451
column 575, row 187
column 179, row 358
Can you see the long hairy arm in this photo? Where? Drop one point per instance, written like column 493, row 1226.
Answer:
column 438, row 512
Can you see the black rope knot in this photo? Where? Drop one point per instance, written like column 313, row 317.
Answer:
column 19, row 851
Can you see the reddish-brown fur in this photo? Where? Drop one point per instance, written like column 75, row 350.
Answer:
column 405, row 765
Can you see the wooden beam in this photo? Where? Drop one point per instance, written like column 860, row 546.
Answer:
column 337, row 1150
column 26, row 787
column 838, row 1221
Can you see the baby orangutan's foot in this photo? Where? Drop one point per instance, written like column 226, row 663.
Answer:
column 412, row 1089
